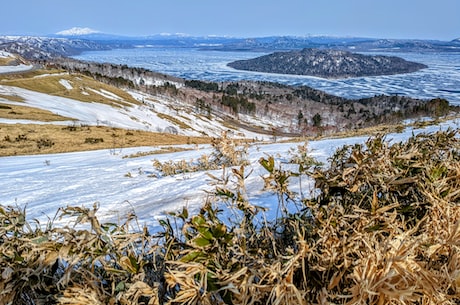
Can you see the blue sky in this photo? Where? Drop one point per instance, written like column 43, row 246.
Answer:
column 423, row 19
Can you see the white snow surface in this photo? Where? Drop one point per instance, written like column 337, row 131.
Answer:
column 66, row 84
column 138, row 117
column 76, row 31
column 45, row 183
column 4, row 54
column 89, row 113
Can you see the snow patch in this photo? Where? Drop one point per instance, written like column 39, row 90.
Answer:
column 106, row 94
column 18, row 68
column 51, row 74
column 4, row 54
column 66, row 84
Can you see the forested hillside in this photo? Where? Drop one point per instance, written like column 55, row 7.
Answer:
column 290, row 109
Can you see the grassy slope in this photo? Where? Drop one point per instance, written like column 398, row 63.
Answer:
column 86, row 89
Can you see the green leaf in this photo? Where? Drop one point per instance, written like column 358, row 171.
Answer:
column 120, row 287
column 219, row 230
column 39, row 239
column 184, row 213
column 206, row 233
column 224, row 193
column 374, row 228
column 201, row 242
column 198, row 220
column 107, row 226
column 192, row 256
column 212, row 282
column 269, row 164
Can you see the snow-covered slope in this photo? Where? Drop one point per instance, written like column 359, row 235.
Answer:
column 33, row 47
column 152, row 113
column 45, row 183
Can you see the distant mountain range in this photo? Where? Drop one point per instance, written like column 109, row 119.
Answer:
column 327, row 64
column 76, row 40
column 265, row 44
column 36, row 48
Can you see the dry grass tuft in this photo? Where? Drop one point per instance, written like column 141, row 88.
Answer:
column 385, row 229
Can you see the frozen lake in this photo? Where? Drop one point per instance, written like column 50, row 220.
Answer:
column 440, row 79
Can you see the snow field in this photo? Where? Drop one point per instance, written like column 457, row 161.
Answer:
column 45, row 183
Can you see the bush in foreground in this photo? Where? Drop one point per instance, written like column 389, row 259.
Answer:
column 385, row 229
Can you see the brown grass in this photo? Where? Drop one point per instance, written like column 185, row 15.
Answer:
column 5, row 61
column 161, row 150
column 23, row 139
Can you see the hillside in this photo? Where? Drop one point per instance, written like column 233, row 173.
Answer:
column 327, row 64
column 81, row 94
column 264, row 107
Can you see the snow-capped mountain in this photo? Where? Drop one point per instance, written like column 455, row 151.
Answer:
column 77, row 31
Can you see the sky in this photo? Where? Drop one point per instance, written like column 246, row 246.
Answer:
column 398, row 19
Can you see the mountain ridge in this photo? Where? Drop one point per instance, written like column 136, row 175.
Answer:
column 53, row 45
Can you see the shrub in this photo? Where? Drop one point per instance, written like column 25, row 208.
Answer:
column 21, row 138
column 44, row 142
column 94, row 140
column 226, row 152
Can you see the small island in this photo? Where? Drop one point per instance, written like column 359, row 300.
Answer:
column 327, row 64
